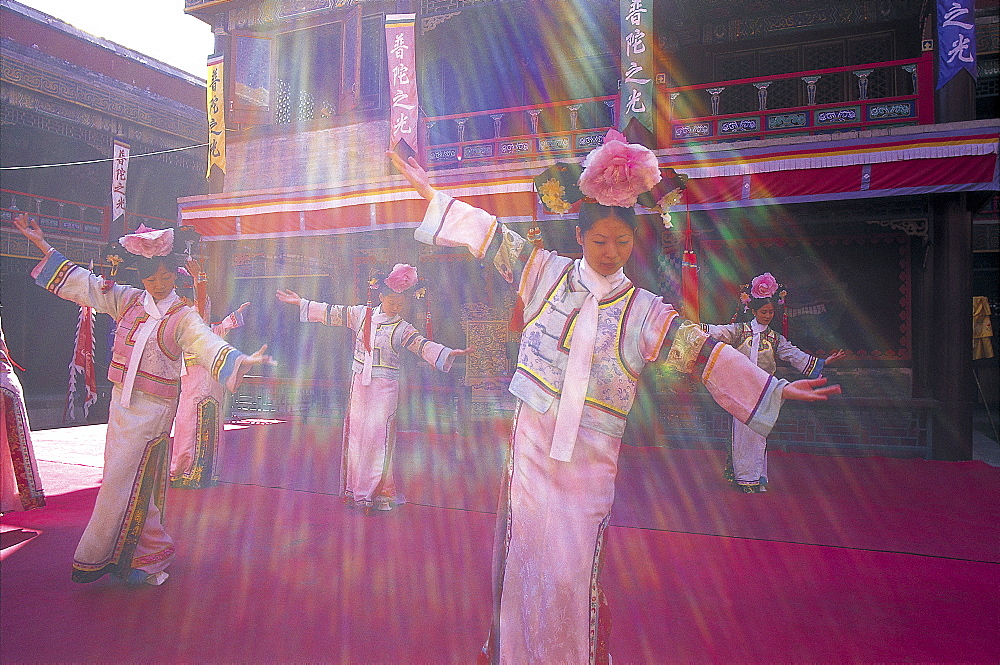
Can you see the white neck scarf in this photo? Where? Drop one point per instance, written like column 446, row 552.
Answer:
column 581, row 354
column 366, row 372
column 756, row 328
column 155, row 310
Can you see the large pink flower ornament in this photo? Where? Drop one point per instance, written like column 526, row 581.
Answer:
column 616, row 173
column 763, row 286
column 149, row 242
column 402, row 277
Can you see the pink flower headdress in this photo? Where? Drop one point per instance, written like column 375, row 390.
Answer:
column 616, row 173
column 402, row 277
column 149, row 242
column 763, row 286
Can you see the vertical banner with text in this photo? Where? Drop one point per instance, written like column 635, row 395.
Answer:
column 119, row 177
column 216, row 116
column 956, row 39
column 637, row 63
column 399, row 45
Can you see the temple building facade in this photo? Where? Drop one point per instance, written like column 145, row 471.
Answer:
column 817, row 140
column 66, row 96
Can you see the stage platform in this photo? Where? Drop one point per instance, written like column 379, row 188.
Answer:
column 845, row 559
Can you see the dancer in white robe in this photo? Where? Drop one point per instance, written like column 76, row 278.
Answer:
column 755, row 339
column 20, row 484
column 366, row 475
column 559, row 483
column 199, row 424
column 125, row 534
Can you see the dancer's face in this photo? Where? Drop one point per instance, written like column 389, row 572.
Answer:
column 160, row 283
column 606, row 245
column 392, row 303
column 764, row 314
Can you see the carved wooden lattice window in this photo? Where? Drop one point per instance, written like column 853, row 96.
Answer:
column 301, row 72
column 831, row 88
column 742, row 98
column 869, row 49
column 785, row 92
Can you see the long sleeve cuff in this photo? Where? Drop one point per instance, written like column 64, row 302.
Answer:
column 766, row 414
column 51, row 272
column 449, row 222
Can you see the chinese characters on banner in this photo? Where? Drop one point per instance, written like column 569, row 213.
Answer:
column 119, row 174
column 637, row 63
column 216, row 116
column 399, row 43
column 956, row 39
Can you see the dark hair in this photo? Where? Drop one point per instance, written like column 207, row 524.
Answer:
column 146, row 267
column 591, row 212
column 757, row 303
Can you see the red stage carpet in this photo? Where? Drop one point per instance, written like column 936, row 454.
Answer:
column 846, row 559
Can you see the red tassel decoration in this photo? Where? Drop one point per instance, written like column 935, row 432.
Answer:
column 366, row 327
column 689, row 274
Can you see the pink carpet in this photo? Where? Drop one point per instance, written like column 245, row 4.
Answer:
column 846, row 559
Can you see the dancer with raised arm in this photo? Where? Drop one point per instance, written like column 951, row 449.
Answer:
column 125, row 535
column 380, row 335
column 588, row 333
column 747, row 463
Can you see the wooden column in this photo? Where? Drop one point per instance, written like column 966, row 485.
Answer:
column 949, row 300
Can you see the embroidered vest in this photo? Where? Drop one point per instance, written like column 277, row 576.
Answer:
column 385, row 350
column 765, row 354
column 617, row 362
column 160, row 369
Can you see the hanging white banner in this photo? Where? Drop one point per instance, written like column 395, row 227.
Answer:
column 399, row 45
column 119, row 176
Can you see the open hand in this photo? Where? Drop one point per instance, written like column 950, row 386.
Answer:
column 285, row 295
column 463, row 352
column 260, row 358
column 835, row 356
column 30, row 229
column 413, row 172
column 242, row 307
column 809, row 390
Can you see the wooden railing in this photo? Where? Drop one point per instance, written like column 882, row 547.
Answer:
column 71, row 218
column 898, row 92
column 567, row 128
column 79, row 220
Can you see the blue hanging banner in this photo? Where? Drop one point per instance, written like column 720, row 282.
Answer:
column 956, row 39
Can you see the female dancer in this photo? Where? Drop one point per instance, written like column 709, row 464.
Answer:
column 747, row 465
column 587, row 336
column 125, row 535
column 366, row 479
column 20, row 485
column 198, row 426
